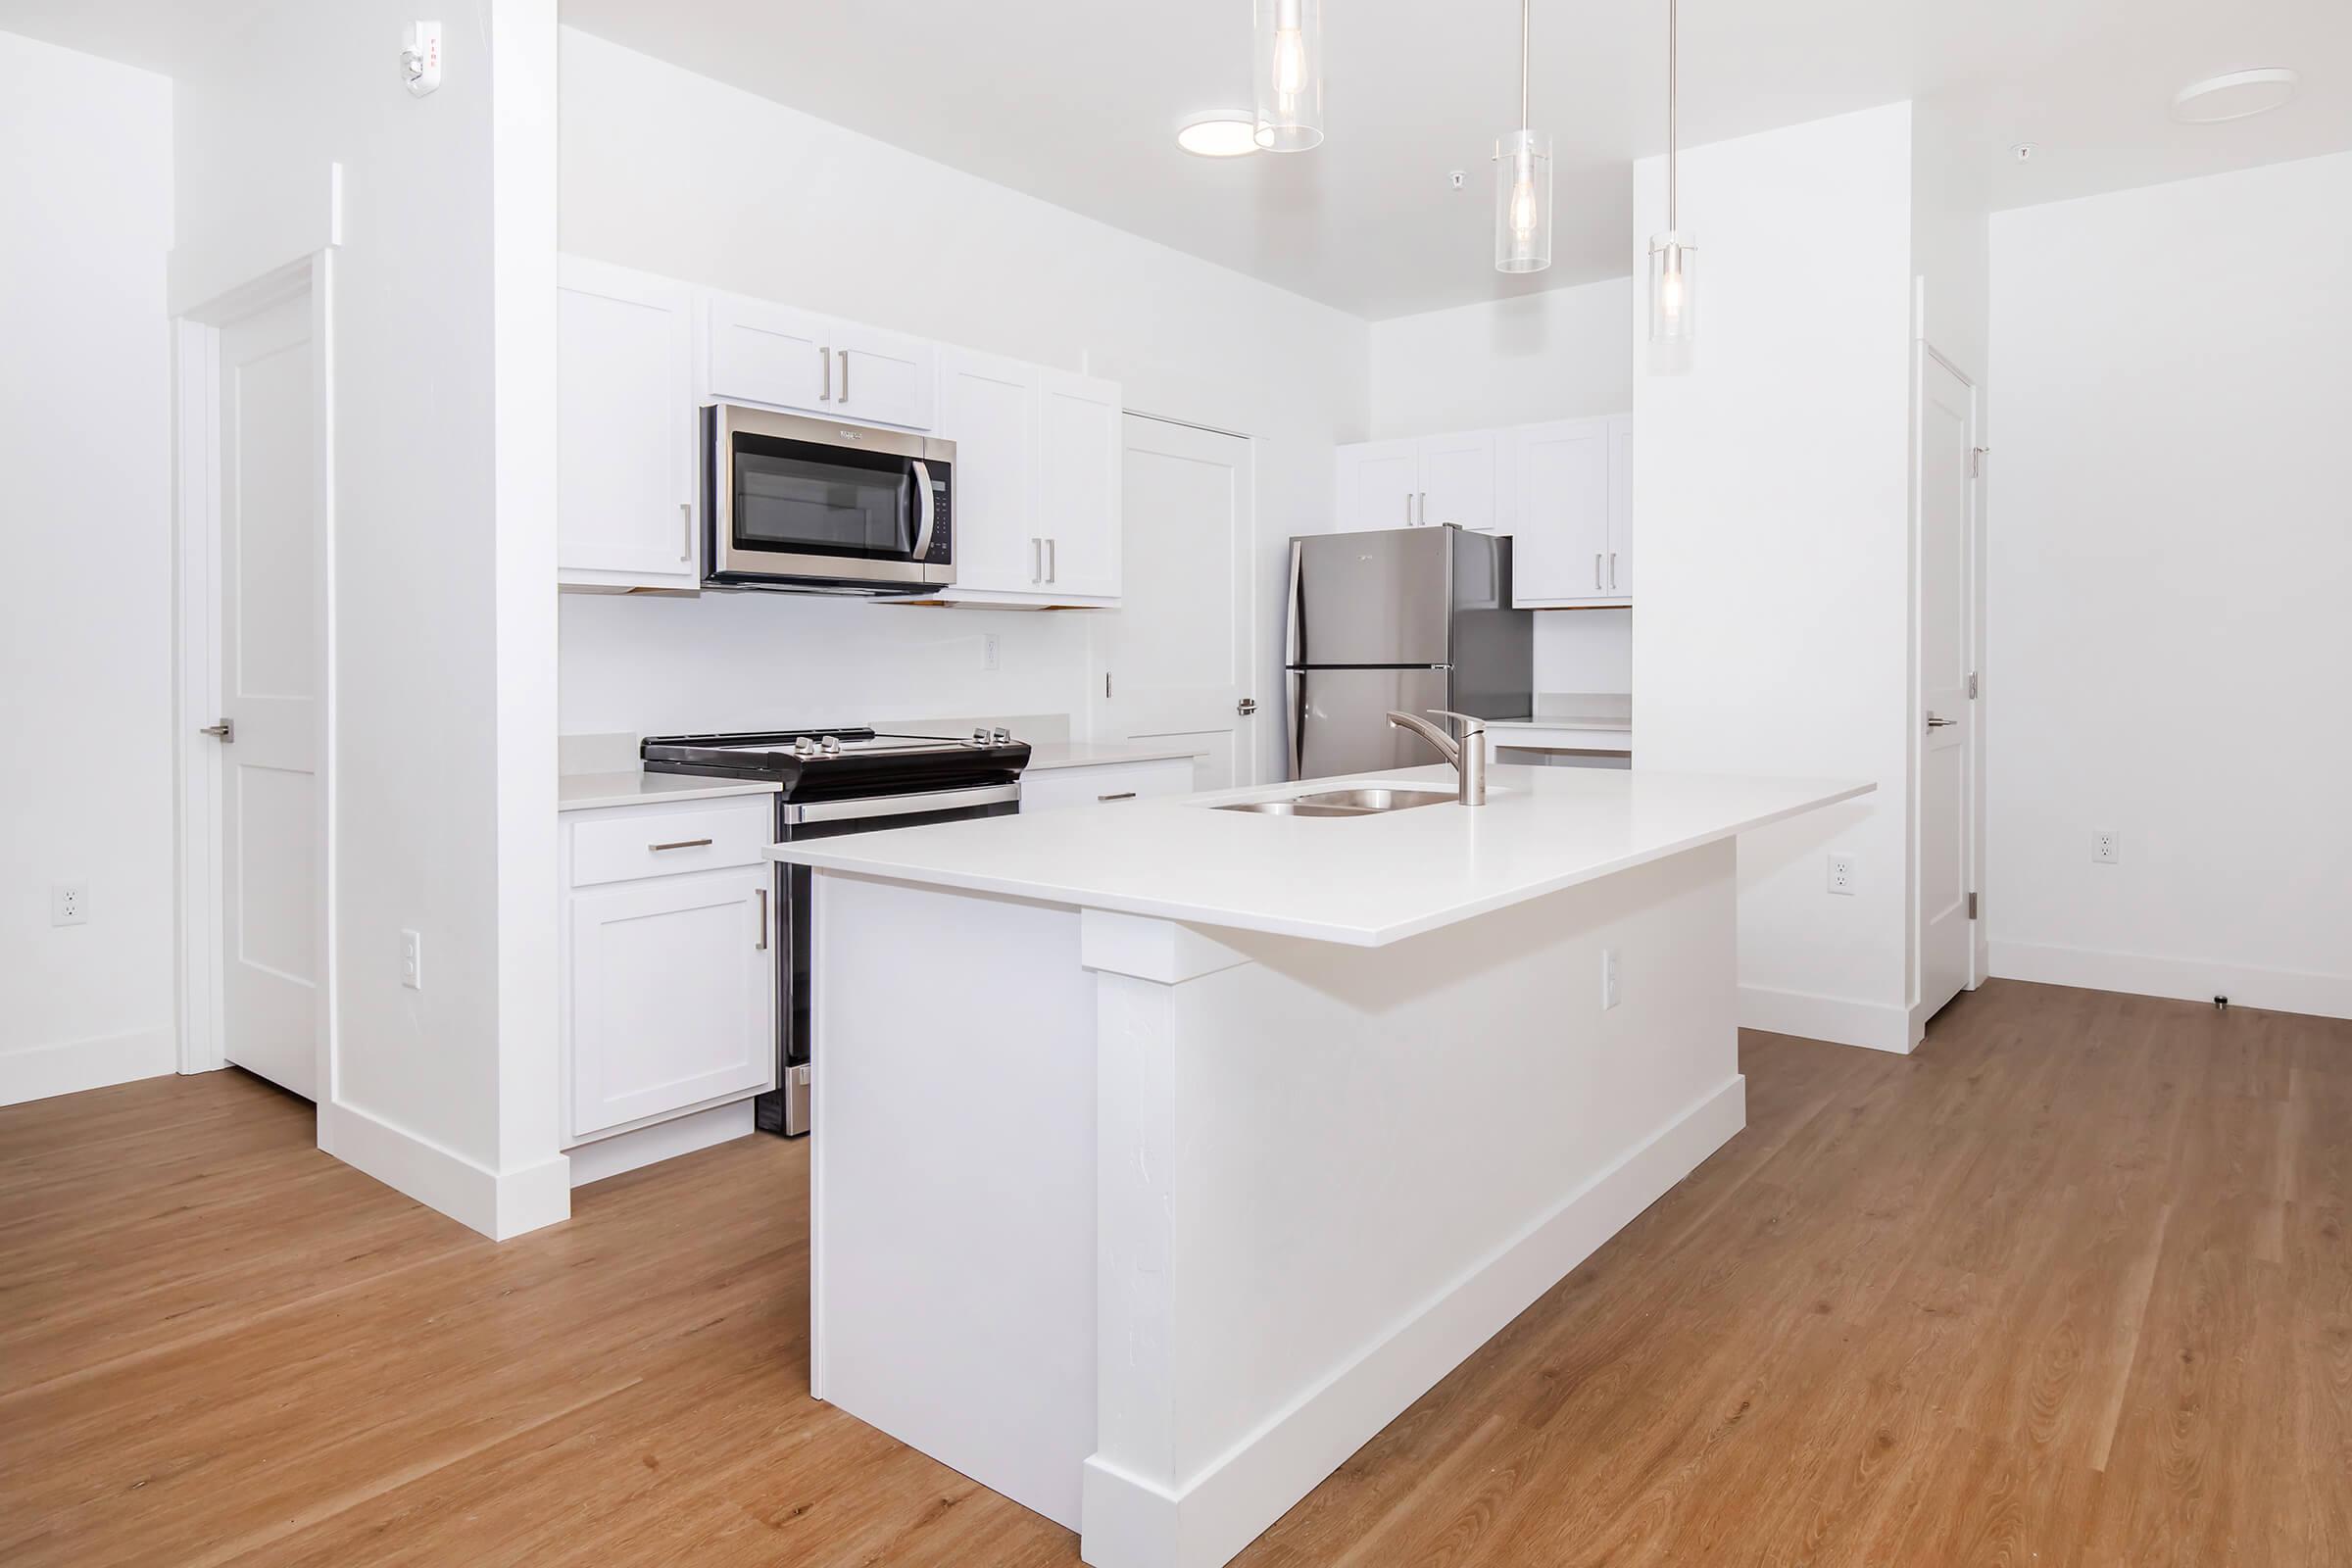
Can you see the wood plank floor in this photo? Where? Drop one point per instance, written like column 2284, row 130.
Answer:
column 2069, row 1287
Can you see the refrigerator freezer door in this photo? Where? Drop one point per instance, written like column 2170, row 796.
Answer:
column 1382, row 598
column 1339, row 720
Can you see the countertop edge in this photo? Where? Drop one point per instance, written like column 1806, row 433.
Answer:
column 589, row 792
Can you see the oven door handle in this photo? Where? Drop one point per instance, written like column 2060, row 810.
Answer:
column 922, row 491
column 797, row 813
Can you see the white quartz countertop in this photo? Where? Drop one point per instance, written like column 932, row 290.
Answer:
column 1047, row 756
column 1365, row 881
column 581, row 792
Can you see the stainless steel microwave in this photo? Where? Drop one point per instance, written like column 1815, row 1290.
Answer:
column 816, row 506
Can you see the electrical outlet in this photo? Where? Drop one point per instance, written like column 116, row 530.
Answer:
column 1841, row 874
column 70, row 903
column 1611, row 995
column 411, row 961
column 988, row 651
column 2106, row 847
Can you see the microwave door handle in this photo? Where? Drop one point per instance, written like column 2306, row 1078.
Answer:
column 922, row 491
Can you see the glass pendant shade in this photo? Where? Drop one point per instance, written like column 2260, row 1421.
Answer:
column 1289, row 75
column 1673, row 290
column 1522, row 202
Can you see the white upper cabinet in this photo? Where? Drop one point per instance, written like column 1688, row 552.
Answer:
column 1621, row 506
column 1379, row 484
column 1457, row 480
column 989, row 408
column 761, row 352
column 626, row 430
column 1560, row 483
column 1418, row 483
column 1078, row 469
column 883, row 377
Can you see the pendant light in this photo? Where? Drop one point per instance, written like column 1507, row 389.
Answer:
column 1673, row 255
column 1521, row 186
column 1290, row 74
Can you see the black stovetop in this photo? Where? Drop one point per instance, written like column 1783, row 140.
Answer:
column 860, row 762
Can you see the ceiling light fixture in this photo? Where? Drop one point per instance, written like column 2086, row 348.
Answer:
column 1289, row 75
column 1521, row 186
column 1218, row 133
column 2234, row 97
column 1673, row 255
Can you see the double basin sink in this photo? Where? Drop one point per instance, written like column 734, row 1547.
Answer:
column 1357, row 801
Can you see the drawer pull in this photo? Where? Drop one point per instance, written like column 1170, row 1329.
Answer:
column 682, row 843
column 1123, row 795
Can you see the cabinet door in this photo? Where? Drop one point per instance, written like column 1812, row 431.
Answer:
column 1560, row 476
column 1078, row 459
column 987, row 407
column 672, row 995
column 1621, row 507
column 625, row 428
column 1379, row 483
column 765, row 353
column 1457, row 480
column 886, row 377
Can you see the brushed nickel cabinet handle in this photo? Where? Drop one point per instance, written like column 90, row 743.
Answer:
column 1597, row 571
column 682, row 843
column 844, row 374
column 686, row 520
column 761, row 945
column 1612, row 571
column 1123, row 795
column 824, row 358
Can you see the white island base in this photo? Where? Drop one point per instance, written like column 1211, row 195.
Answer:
column 1149, row 1225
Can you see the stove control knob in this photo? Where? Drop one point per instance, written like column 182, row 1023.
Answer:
column 1002, row 737
column 804, row 746
column 830, row 745
column 980, row 736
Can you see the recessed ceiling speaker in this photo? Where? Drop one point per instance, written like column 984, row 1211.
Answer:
column 2234, row 97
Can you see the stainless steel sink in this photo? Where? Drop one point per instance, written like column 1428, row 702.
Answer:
column 1343, row 803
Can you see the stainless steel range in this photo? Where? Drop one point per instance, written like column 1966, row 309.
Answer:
column 837, row 781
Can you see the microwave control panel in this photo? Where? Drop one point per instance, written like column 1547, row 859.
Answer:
column 943, row 533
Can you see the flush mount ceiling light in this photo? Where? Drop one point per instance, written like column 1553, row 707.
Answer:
column 2234, row 97
column 1218, row 133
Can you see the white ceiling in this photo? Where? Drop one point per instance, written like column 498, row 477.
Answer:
column 1077, row 101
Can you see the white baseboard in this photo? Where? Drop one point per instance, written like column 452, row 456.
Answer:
column 664, row 1139
column 1131, row 1523
column 1840, row 1020
column 69, row 1067
column 2325, row 996
column 499, row 1206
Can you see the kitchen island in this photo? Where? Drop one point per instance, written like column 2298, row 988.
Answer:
column 1163, row 1153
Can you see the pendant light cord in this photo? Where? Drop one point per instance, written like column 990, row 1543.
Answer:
column 1670, row 114
column 1524, row 6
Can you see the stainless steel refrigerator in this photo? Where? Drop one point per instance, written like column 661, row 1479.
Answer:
column 1405, row 619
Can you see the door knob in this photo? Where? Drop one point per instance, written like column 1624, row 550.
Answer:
column 226, row 731
column 1246, row 706
column 1937, row 723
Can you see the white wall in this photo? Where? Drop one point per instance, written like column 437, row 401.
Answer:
column 2171, row 561
column 1773, row 496
column 85, row 615
column 443, row 674
column 677, row 174
column 1564, row 354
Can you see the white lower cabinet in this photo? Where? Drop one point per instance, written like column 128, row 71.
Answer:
column 668, row 977
column 1105, row 783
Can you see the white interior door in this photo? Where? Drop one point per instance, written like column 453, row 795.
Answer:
column 269, row 669
column 1175, row 657
column 1948, row 733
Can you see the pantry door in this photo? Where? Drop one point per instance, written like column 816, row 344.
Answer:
column 1173, row 663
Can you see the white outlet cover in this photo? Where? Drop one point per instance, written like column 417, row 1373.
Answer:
column 2106, row 846
column 411, row 961
column 70, row 903
column 1841, row 875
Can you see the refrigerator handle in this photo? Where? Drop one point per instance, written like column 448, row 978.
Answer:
column 1297, row 707
column 1294, row 625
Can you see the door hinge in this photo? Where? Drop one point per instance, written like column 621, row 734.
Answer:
column 1972, row 906
column 1975, row 461
column 1972, row 684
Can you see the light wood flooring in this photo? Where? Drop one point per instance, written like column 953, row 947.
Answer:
column 2070, row 1286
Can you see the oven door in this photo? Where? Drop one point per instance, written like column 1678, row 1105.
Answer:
column 795, row 501
column 786, row 1109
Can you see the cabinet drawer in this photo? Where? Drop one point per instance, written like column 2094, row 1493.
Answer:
column 670, row 840
column 1056, row 788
